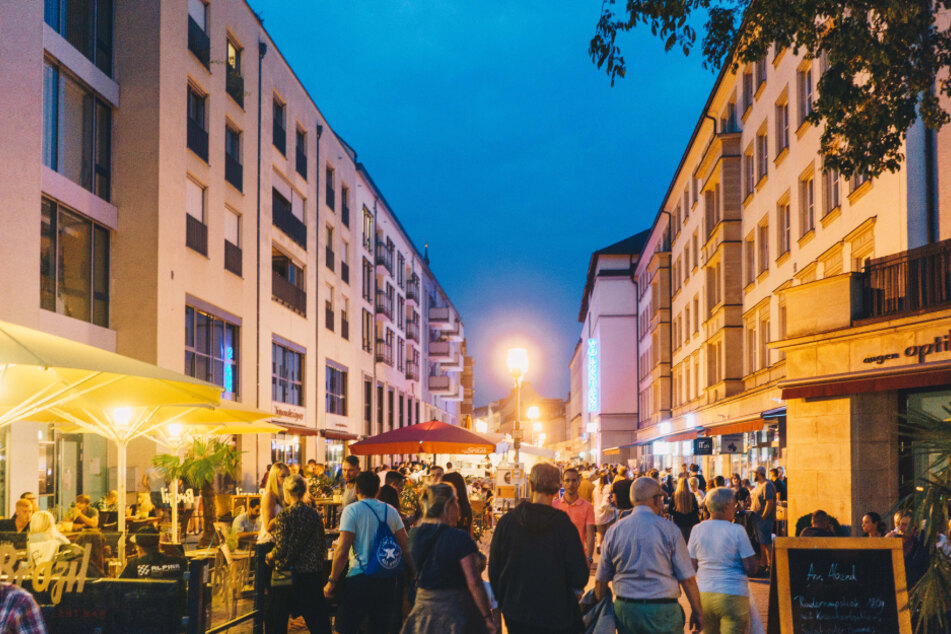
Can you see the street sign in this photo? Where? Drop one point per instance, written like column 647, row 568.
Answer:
column 702, row 446
column 731, row 443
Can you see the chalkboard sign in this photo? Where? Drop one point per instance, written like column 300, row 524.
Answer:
column 831, row 585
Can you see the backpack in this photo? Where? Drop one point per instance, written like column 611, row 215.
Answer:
column 386, row 556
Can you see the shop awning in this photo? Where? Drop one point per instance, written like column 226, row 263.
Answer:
column 736, row 427
column 334, row 434
column 616, row 451
column 901, row 378
column 298, row 430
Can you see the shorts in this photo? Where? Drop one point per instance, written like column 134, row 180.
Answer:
column 764, row 531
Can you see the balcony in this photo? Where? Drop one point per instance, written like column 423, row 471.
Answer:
column 412, row 290
column 288, row 294
column 441, row 351
column 344, row 326
column 384, row 257
column 384, row 307
column 234, row 172
column 442, row 386
column 344, row 272
column 412, row 331
column 198, row 42
column 234, row 86
column 412, row 370
column 198, row 139
column 329, row 257
column 908, row 282
column 440, row 318
column 196, row 234
column 233, row 258
column 301, row 162
column 455, row 332
column 284, row 219
column 384, row 352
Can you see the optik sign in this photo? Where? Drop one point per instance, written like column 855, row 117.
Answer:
column 594, row 376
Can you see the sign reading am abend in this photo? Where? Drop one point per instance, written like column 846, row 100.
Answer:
column 594, row 377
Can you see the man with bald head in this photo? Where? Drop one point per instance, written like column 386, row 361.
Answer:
column 645, row 558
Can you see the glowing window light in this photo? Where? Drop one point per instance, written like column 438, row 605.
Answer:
column 594, row 377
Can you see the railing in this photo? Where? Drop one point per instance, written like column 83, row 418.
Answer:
column 384, row 352
column 412, row 288
column 196, row 234
column 384, row 256
column 286, row 293
column 198, row 139
column 344, row 212
column 412, row 371
column 383, row 307
column 331, row 194
column 329, row 317
column 908, row 282
column 344, row 272
column 329, row 257
column 284, row 219
column 279, row 137
column 234, row 86
column 198, row 42
column 344, row 326
column 412, row 330
column 233, row 258
column 234, row 171
column 302, row 162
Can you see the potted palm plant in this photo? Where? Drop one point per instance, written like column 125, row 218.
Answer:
column 203, row 461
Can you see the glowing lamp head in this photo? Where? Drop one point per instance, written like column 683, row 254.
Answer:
column 532, row 412
column 122, row 416
column 518, row 362
column 175, row 430
column 537, row 427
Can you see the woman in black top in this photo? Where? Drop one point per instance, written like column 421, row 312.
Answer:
column 462, row 496
column 450, row 595
column 299, row 545
column 684, row 508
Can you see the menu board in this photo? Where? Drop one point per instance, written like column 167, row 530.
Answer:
column 828, row 585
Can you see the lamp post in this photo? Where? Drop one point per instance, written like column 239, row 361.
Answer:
column 518, row 366
column 532, row 413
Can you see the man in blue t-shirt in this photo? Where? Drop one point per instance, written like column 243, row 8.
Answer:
column 363, row 597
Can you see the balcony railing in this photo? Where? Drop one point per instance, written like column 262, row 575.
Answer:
column 234, row 86
column 302, row 162
column 412, row 289
column 288, row 294
column 383, row 307
column 279, row 137
column 344, row 326
column 908, row 282
column 412, row 371
column 234, row 172
column 412, row 331
column 198, row 139
column 384, row 257
column 384, row 352
column 344, row 212
column 285, row 220
column 233, row 258
column 198, row 42
column 196, row 234
column 344, row 272
column 329, row 317
column 329, row 257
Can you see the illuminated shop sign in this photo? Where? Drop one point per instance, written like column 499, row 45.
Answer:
column 594, row 377
column 940, row 344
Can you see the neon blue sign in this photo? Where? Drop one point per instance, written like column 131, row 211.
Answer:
column 594, row 377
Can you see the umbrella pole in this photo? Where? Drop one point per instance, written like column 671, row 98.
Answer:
column 173, row 493
column 120, row 487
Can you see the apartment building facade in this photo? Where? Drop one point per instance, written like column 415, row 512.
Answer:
column 178, row 197
column 756, row 231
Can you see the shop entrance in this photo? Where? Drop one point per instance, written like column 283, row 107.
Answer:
column 913, row 464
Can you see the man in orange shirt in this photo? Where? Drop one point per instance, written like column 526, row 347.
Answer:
column 580, row 511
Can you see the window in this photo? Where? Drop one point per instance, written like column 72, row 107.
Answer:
column 783, row 229
column 196, row 130
column 345, row 205
column 233, row 258
column 331, row 187
column 345, row 318
column 367, row 333
column 234, row 172
column 763, row 247
column 807, row 205
column 401, row 421
column 367, row 280
column 389, row 408
column 747, row 89
column 344, row 261
column 367, row 403
column 400, row 312
column 764, row 342
column 762, row 155
column 301, row 153
column 287, row 282
column 198, row 42
column 211, row 350
column 400, row 354
column 379, row 405
column 77, row 132
column 749, row 180
column 804, row 85
column 401, row 270
column 287, row 381
column 782, row 327
column 760, row 72
column 696, row 250
column 830, row 188
column 782, row 127
column 86, row 25
column 278, row 130
column 196, row 232
column 696, row 313
column 329, row 309
column 74, row 265
column 858, row 179
column 751, row 347
column 336, row 389
column 234, row 79
column 329, row 249
column 750, row 256
column 367, row 229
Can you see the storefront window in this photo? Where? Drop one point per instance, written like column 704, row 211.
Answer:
column 913, row 464
column 285, row 448
column 333, row 454
column 46, row 488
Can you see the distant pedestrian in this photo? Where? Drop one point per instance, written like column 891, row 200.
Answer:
column 605, row 513
column 581, row 512
column 764, row 508
column 462, row 497
column 872, row 525
column 537, row 566
column 820, row 525
column 351, row 469
column 684, row 508
column 778, row 483
column 645, row 558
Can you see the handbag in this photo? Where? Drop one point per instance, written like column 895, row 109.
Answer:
column 284, row 578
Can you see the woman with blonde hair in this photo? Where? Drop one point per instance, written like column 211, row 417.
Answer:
column 272, row 502
column 44, row 538
column 684, row 509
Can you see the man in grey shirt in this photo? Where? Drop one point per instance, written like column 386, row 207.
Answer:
column 645, row 558
column 351, row 469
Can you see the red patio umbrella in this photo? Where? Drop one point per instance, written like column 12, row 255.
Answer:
column 430, row 437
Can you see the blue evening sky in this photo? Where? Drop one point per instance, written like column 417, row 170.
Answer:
column 500, row 144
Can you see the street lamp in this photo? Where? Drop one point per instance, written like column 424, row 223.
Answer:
column 518, row 365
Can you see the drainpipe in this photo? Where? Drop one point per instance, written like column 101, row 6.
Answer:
column 637, row 347
column 670, row 305
column 262, row 51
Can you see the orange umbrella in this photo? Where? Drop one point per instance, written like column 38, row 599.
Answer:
column 430, row 437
